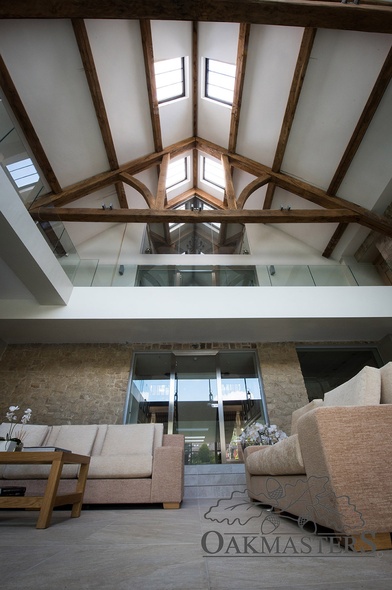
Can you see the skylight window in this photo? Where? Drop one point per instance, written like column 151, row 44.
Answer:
column 177, row 172
column 213, row 172
column 219, row 81
column 23, row 173
column 170, row 79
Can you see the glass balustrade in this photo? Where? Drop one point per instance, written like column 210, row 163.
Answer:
column 93, row 273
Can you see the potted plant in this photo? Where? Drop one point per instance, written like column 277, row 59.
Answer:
column 13, row 440
column 261, row 434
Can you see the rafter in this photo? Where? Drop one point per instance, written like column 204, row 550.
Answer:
column 188, row 216
column 242, row 53
column 305, row 51
column 90, row 71
column 161, row 192
column 296, row 13
column 295, row 91
column 148, row 52
column 269, row 196
column 9, row 89
column 229, row 186
column 339, row 231
column 319, row 197
column 300, row 188
column 94, row 183
column 195, row 75
column 362, row 126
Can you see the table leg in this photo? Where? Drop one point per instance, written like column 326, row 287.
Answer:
column 49, row 497
column 80, row 487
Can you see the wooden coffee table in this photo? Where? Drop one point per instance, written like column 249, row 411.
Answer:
column 51, row 498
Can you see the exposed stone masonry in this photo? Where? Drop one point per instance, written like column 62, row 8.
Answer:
column 87, row 383
column 283, row 382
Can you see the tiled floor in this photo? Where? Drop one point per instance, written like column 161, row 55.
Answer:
column 207, row 544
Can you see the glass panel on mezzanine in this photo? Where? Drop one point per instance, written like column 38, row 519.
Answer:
column 93, row 273
column 336, row 275
column 196, row 276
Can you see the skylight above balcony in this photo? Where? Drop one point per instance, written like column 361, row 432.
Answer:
column 170, row 79
column 219, row 81
column 177, row 173
column 213, row 173
column 23, row 173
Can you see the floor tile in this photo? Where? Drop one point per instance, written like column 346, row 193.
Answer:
column 208, row 544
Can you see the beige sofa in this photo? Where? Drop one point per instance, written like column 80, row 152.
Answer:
column 130, row 463
column 335, row 469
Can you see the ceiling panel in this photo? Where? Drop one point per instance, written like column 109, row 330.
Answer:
column 272, row 56
column 46, row 68
column 118, row 57
column 342, row 71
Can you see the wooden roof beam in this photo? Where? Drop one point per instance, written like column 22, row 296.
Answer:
column 242, row 53
column 379, row 88
column 229, row 186
column 293, row 13
column 189, row 216
column 295, row 91
column 94, row 183
column 148, row 52
column 298, row 187
column 161, row 192
column 12, row 96
column 305, row 51
column 90, row 71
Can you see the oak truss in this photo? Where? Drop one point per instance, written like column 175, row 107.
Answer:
column 307, row 13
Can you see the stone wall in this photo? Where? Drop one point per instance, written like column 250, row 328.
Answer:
column 66, row 384
column 283, row 383
column 87, row 383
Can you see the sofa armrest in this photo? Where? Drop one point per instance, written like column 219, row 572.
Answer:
column 252, row 449
column 350, row 448
column 174, row 440
column 168, row 475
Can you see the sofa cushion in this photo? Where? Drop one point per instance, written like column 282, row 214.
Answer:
column 296, row 415
column 128, row 439
column 100, row 437
column 78, row 438
column 32, row 435
column 119, row 466
column 362, row 390
column 386, row 383
column 283, row 458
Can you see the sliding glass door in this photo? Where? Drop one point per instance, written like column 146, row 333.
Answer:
column 209, row 397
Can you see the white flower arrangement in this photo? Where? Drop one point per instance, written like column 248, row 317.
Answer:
column 12, row 417
column 261, row 434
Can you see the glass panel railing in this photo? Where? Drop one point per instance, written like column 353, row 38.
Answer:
column 84, row 273
column 366, row 275
column 281, row 276
column 334, row 276
column 196, row 276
